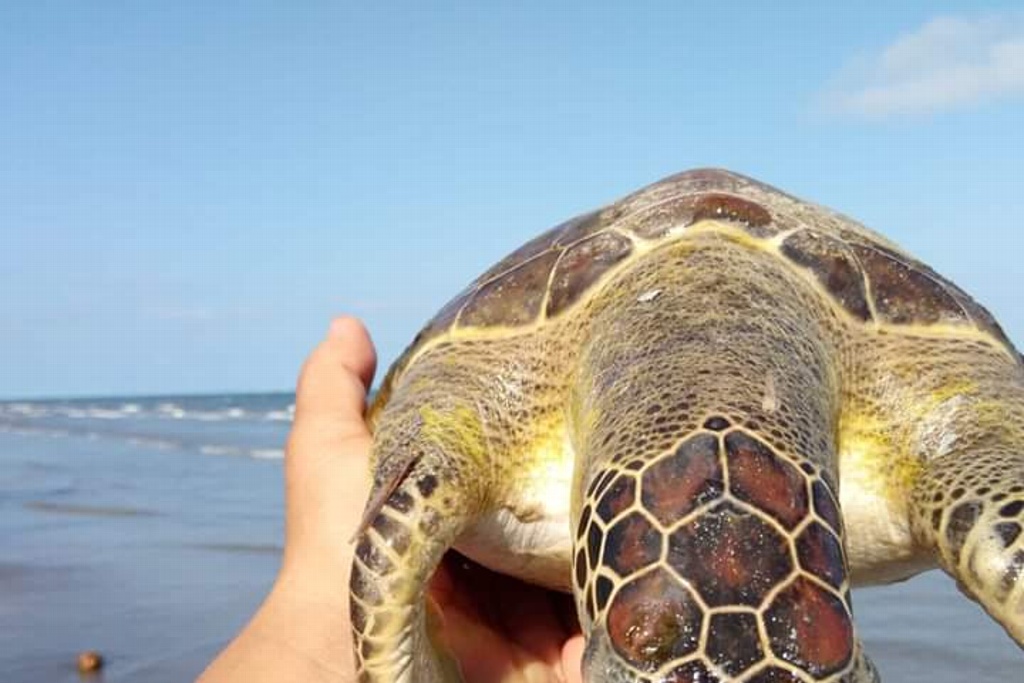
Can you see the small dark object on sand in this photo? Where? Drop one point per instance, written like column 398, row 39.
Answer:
column 89, row 661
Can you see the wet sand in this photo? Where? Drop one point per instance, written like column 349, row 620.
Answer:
column 153, row 558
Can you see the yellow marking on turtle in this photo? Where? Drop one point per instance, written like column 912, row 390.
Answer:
column 869, row 444
column 869, row 448
column 876, row 471
column 553, row 465
column 457, row 431
column 527, row 533
column 730, row 231
column 881, row 458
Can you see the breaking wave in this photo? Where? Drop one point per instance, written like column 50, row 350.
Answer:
column 239, row 425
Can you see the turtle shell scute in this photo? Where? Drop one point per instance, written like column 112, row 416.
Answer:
column 694, row 181
column 680, row 482
column 514, row 298
column 833, row 265
column 632, row 544
column 758, row 476
column 821, row 554
column 579, row 228
column 971, row 309
column 720, row 206
column 512, row 292
column 810, row 628
column 905, row 293
column 654, row 619
column 675, row 212
column 617, row 498
column 733, row 641
column 536, row 246
column 582, row 265
column 730, row 556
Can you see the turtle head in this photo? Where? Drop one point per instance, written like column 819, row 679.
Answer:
column 685, row 569
column 601, row 664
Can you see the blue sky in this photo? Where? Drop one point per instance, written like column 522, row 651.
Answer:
column 190, row 190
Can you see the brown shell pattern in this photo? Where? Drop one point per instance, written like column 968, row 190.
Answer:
column 864, row 275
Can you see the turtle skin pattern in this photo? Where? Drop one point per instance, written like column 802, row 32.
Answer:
column 707, row 410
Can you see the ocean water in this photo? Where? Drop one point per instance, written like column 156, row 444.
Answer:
column 150, row 528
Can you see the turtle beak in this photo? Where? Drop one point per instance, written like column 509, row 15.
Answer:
column 601, row 664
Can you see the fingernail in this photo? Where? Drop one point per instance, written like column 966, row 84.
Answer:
column 337, row 329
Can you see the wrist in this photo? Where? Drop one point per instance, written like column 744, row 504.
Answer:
column 296, row 635
column 311, row 619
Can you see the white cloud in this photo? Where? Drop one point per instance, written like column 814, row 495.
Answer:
column 948, row 62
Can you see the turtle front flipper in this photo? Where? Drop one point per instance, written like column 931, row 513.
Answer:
column 967, row 499
column 425, row 493
column 969, row 507
column 396, row 554
column 709, row 542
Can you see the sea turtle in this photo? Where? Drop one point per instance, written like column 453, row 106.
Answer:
column 663, row 406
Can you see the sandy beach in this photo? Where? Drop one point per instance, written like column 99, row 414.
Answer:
column 141, row 547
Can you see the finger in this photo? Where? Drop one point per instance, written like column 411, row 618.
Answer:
column 485, row 654
column 517, row 619
column 572, row 659
column 331, row 393
column 360, row 357
column 329, row 443
column 326, row 473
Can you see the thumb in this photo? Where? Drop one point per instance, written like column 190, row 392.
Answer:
column 326, row 471
column 336, row 376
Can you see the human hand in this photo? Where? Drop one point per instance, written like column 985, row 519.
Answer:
column 499, row 630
